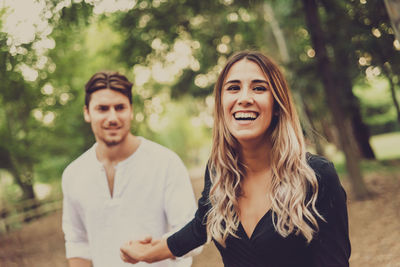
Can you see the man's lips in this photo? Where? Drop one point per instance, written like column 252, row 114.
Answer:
column 112, row 129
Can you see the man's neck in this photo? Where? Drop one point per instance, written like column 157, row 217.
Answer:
column 114, row 154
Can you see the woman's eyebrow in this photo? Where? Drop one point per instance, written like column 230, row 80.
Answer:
column 233, row 81
column 253, row 81
column 259, row 81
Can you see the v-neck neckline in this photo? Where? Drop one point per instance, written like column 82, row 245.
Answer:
column 258, row 225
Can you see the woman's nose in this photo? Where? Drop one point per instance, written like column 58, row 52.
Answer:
column 245, row 97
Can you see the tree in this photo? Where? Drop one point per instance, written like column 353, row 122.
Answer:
column 30, row 104
column 341, row 119
column 375, row 42
column 17, row 99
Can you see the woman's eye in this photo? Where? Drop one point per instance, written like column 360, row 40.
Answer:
column 233, row 88
column 260, row 88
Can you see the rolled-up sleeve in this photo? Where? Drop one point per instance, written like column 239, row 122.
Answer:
column 180, row 204
column 76, row 241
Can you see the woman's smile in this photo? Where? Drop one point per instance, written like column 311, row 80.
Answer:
column 247, row 101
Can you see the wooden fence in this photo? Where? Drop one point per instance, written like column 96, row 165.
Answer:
column 13, row 216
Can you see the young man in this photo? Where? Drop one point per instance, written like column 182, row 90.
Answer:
column 124, row 187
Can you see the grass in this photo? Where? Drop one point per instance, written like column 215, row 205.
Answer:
column 386, row 146
column 387, row 152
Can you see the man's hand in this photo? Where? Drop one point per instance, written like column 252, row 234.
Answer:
column 125, row 257
column 79, row 262
column 147, row 250
column 135, row 251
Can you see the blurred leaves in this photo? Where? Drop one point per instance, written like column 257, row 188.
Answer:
column 173, row 51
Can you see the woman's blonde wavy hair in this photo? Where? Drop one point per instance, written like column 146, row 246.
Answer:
column 293, row 207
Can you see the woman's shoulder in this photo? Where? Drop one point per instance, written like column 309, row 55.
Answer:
column 317, row 162
column 328, row 181
column 323, row 168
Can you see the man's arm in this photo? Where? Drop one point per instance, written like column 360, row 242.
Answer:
column 78, row 262
column 180, row 204
column 150, row 251
column 75, row 235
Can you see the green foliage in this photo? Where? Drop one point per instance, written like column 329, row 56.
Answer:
column 185, row 133
column 387, row 152
column 215, row 29
column 194, row 38
column 376, row 104
column 371, row 166
column 19, row 131
column 30, row 105
column 386, row 145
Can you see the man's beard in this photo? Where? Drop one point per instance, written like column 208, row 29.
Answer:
column 112, row 143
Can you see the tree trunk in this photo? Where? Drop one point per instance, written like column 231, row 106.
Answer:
column 394, row 98
column 27, row 191
column 393, row 7
column 277, row 32
column 304, row 114
column 393, row 92
column 350, row 102
column 360, row 130
column 362, row 134
column 312, row 135
column 338, row 23
column 25, row 182
column 334, row 97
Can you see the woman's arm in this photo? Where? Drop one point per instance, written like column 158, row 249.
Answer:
column 191, row 236
column 331, row 245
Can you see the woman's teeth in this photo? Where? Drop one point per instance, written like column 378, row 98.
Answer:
column 245, row 115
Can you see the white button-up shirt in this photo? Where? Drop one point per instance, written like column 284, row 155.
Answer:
column 152, row 196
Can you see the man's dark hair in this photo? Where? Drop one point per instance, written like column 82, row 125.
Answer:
column 108, row 80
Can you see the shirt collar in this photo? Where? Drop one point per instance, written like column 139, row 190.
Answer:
column 122, row 163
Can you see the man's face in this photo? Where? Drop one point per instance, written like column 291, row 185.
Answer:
column 110, row 115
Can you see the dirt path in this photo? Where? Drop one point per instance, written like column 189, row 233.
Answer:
column 374, row 231
column 375, row 224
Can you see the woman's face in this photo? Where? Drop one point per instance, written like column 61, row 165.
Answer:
column 247, row 102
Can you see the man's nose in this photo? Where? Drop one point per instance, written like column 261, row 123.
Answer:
column 112, row 115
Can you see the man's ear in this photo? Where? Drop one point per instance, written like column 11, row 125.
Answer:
column 86, row 114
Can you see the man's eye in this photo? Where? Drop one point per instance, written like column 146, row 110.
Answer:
column 260, row 88
column 102, row 108
column 120, row 107
column 233, row 88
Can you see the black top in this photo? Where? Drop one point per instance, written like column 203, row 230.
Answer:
column 266, row 248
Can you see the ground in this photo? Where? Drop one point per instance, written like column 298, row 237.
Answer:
column 374, row 232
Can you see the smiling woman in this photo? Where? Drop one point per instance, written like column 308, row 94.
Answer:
column 266, row 202
column 247, row 102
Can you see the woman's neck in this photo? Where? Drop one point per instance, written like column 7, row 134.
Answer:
column 256, row 156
